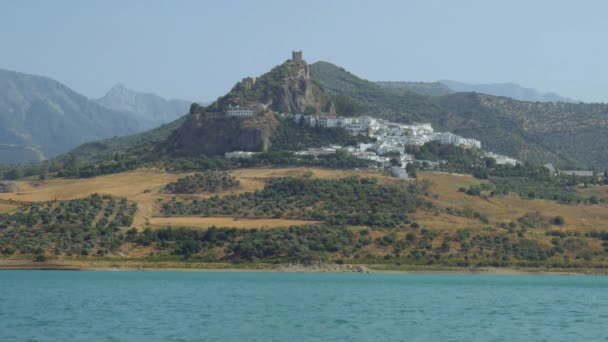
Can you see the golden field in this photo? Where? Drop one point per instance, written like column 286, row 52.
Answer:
column 7, row 207
column 510, row 208
column 144, row 187
column 206, row 222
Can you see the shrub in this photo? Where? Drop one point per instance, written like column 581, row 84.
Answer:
column 559, row 220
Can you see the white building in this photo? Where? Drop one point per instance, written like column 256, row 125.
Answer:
column 318, row 151
column 576, row 173
column 501, row 159
column 453, row 139
column 328, row 121
column 240, row 112
column 239, row 154
column 398, row 172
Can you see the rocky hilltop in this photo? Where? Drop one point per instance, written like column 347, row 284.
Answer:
column 286, row 88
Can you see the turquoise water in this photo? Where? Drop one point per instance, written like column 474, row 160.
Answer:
column 195, row 306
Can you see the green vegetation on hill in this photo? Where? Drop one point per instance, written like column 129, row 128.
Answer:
column 208, row 181
column 422, row 88
column 286, row 88
column 355, row 201
column 458, row 159
column 565, row 134
column 98, row 150
column 291, row 136
column 408, row 245
column 372, row 98
column 532, row 182
column 339, row 160
column 79, row 227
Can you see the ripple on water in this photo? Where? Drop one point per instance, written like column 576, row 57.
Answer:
column 142, row 306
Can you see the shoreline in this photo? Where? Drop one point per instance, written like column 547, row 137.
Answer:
column 65, row 265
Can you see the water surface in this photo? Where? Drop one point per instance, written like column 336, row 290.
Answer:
column 194, row 306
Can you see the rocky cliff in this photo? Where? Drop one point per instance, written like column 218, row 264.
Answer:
column 286, row 88
column 216, row 134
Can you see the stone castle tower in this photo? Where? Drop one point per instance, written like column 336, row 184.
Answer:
column 296, row 56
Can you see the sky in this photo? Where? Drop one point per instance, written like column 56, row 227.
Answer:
column 197, row 50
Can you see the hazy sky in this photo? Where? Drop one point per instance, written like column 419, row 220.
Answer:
column 199, row 49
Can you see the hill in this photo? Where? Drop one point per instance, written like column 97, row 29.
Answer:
column 149, row 106
column 568, row 135
column 41, row 118
column 305, row 215
column 95, row 150
column 565, row 134
column 445, row 87
column 422, row 88
column 512, row 90
column 286, row 88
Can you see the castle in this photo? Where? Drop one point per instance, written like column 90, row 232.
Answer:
column 296, row 56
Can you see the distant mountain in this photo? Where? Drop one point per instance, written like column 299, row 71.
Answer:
column 512, row 90
column 149, row 106
column 41, row 118
column 445, row 87
column 422, row 88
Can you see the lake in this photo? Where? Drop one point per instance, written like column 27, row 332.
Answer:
column 214, row 306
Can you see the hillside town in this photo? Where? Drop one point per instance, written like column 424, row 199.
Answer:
column 391, row 139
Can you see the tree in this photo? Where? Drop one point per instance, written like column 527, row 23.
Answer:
column 309, row 110
column 44, row 171
column 14, row 173
column 395, row 162
column 195, row 108
column 559, row 220
column 72, row 165
column 411, row 169
column 347, row 106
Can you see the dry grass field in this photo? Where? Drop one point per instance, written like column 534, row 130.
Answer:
column 510, row 208
column 7, row 207
column 126, row 184
column 599, row 191
column 206, row 222
column 143, row 186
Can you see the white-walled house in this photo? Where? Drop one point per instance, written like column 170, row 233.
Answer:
column 240, row 112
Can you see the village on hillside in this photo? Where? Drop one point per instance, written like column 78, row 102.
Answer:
column 391, row 139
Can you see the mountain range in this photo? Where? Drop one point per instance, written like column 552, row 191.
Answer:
column 148, row 106
column 41, row 118
column 444, row 87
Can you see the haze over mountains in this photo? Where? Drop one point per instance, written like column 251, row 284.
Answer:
column 41, row 118
column 444, row 87
column 147, row 105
